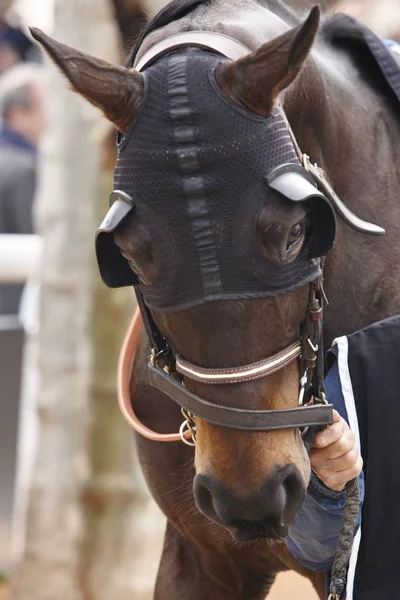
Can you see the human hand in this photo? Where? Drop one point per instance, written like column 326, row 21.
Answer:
column 334, row 456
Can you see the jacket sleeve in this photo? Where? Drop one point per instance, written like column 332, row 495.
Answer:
column 18, row 201
column 314, row 531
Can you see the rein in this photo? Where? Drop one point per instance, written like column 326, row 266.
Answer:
column 125, row 363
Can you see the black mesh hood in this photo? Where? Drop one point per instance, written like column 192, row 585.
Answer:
column 195, row 166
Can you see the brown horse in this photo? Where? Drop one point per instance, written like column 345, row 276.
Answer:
column 213, row 496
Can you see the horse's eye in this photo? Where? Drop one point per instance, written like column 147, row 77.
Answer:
column 295, row 236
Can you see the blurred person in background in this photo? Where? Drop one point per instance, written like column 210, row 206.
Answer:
column 22, row 96
column 15, row 47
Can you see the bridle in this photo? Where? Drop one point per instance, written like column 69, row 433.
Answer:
column 167, row 370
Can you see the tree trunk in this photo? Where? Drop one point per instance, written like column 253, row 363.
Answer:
column 65, row 217
column 122, row 540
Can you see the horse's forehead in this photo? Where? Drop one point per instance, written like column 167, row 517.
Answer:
column 247, row 22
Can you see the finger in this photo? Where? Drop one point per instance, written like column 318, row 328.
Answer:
column 330, row 435
column 336, row 465
column 336, row 450
column 337, row 481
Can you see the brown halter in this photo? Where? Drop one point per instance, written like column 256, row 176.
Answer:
column 316, row 413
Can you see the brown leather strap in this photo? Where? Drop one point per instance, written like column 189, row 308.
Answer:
column 224, row 44
column 249, row 372
column 125, row 362
column 238, row 418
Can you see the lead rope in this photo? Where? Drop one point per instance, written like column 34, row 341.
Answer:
column 346, row 538
column 352, row 503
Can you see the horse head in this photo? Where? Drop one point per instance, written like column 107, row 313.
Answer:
column 223, row 260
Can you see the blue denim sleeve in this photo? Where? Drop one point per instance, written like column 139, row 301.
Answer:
column 314, row 531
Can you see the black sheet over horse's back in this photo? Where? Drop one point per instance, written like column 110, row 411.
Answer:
column 374, row 57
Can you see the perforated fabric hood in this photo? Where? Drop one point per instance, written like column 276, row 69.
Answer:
column 194, row 165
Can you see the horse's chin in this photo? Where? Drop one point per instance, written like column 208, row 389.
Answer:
column 248, row 531
column 259, row 531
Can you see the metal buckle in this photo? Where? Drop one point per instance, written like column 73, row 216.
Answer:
column 313, row 348
column 153, row 356
column 302, row 390
column 188, row 425
column 303, row 384
column 322, row 290
column 306, row 162
column 154, row 359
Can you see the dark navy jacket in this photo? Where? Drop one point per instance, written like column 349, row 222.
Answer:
column 17, row 186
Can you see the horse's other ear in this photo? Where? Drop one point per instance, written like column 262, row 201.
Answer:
column 115, row 90
column 256, row 80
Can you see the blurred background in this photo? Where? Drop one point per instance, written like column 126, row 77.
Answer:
column 76, row 520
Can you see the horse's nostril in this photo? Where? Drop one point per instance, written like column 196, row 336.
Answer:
column 291, row 484
column 294, row 490
column 203, row 496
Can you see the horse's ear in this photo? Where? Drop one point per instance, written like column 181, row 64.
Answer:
column 115, row 90
column 256, row 80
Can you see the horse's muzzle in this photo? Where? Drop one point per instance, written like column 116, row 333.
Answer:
column 265, row 514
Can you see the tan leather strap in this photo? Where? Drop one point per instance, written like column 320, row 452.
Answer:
column 125, row 362
column 249, row 372
column 219, row 42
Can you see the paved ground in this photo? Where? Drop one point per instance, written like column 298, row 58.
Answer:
column 289, row 586
column 3, row 592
